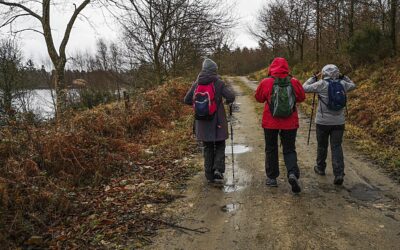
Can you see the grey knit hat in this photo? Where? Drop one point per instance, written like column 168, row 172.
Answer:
column 209, row 66
column 330, row 71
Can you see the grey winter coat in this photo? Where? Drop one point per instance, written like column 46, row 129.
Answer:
column 324, row 115
column 217, row 128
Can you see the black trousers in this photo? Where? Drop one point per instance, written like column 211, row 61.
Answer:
column 214, row 158
column 288, row 139
column 332, row 134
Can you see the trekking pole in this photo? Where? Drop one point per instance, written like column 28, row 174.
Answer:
column 312, row 114
column 233, row 159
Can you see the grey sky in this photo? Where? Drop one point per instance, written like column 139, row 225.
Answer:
column 85, row 34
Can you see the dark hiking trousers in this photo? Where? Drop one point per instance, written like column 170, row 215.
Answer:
column 332, row 134
column 214, row 158
column 288, row 139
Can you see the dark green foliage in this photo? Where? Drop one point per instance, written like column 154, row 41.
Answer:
column 368, row 45
column 90, row 98
column 241, row 61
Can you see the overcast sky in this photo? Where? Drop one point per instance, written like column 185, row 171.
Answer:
column 85, row 34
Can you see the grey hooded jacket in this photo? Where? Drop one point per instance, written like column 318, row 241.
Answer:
column 217, row 128
column 324, row 115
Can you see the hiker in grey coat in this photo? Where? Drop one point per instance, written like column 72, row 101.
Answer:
column 213, row 133
column 330, row 124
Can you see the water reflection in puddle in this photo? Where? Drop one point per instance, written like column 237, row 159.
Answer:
column 229, row 208
column 237, row 149
column 230, row 188
column 242, row 180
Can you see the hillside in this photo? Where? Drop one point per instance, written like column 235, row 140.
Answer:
column 102, row 176
column 373, row 122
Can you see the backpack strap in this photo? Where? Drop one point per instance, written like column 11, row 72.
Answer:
column 218, row 101
column 320, row 107
column 196, row 85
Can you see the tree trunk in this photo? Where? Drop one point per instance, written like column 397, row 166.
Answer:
column 351, row 19
column 318, row 32
column 393, row 10
column 383, row 21
column 302, row 52
column 61, row 92
column 157, row 67
column 7, row 102
column 338, row 22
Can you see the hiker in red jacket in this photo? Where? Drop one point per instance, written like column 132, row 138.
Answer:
column 280, row 92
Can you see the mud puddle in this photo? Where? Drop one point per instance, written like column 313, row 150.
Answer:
column 364, row 193
column 237, row 149
column 236, row 107
column 232, row 187
column 241, row 181
column 229, row 208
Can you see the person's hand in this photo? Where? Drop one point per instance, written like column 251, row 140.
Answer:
column 317, row 75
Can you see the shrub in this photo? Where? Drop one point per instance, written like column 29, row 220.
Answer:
column 368, row 45
column 91, row 98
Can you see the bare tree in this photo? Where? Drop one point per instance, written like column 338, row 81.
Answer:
column 116, row 66
column 157, row 31
column 24, row 9
column 266, row 29
column 285, row 23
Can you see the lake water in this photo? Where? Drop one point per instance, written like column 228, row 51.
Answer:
column 38, row 101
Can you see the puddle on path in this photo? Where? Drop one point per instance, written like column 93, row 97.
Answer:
column 236, row 107
column 229, row 208
column 237, row 149
column 230, row 188
column 364, row 193
column 242, row 179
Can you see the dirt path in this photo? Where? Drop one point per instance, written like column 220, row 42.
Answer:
column 363, row 214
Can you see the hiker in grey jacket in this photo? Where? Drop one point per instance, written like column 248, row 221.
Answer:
column 330, row 124
column 213, row 133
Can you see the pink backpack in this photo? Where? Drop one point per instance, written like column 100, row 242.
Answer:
column 204, row 103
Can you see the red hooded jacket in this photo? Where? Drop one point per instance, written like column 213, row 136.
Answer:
column 278, row 68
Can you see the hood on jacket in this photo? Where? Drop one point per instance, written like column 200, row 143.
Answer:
column 279, row 67
column 330, row 71
column 208, row 72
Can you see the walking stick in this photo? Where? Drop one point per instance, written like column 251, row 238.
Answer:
column 233, row 159
column 312, row 114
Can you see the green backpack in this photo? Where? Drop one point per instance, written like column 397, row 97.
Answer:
column 283, row 98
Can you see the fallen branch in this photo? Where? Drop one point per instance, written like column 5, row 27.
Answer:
column 200, row 230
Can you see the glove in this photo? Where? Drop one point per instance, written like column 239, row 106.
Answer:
column 341, row 76
column 316, row 76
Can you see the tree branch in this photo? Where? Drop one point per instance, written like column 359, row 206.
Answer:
column 47, row 32
column 69, row 27
column 12, row 19
column 28, row 29
column 23, row 7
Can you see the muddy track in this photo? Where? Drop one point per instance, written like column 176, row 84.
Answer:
column 363, row 214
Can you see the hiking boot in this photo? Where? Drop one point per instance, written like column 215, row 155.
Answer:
column 294, row 182
column 218, row 175
column 338, row 180
column 271, row 182
column 319, row 171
